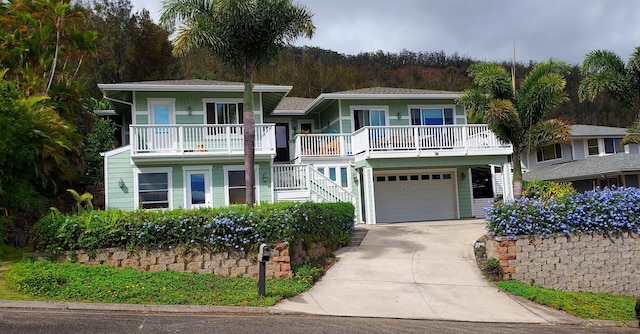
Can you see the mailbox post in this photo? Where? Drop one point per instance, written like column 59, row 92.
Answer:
column 264, row 255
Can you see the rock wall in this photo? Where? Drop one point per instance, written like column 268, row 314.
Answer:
column 585, row 262
column 228, row 263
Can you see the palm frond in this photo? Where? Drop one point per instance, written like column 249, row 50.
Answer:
column 540, row 96
column 602, row 61
column 545, row 133
column 492, row 77
column 504, row 121
column 476, row 103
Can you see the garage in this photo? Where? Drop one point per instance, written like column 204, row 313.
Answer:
column 415, row 196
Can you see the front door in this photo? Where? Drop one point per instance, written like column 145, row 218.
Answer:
column 282, row 142
column 162, row 138
column 198, row 189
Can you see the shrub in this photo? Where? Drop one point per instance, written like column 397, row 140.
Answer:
column 599, row 211
column 546, row 190
column 235, row 227
column 493, row 270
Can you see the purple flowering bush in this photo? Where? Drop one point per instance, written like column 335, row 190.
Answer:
column 598, row 211
column 236, row 227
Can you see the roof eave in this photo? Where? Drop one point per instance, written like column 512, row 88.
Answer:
column 192, row 88
column 338, row 96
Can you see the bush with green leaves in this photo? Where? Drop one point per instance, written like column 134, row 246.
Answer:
column 545, row 190
column 236, row 227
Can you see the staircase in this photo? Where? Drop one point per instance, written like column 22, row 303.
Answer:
column 305, row 183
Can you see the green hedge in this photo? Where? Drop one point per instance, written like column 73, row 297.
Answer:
column 235, row 227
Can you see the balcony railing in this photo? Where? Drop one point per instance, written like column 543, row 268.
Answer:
column 198, row 140
column 456, row 139
column 323, row 145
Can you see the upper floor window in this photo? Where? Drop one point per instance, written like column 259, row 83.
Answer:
column 550, row 152
column 225, row 113
column 431, row 116
column 369, row 117
column 604, row 146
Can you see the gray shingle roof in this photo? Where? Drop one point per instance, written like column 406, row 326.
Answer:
column 294, row 104
column 190, row 82
column 591, row 167
column 390, row 90
column 579, row 130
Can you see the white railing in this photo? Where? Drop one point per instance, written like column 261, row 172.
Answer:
column 327, row 189
column 307, row 178
column 179, row 139
column 323, row 145
column 290, row 177
column 406, row 138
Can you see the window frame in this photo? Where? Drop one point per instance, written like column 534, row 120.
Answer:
column 234, row 168
column 442, row 108
column 239, row 110
column 557, row 153
column 157, row 170
column 602, row 146
column 169, row 102
column 355, row 109
column 187, row 184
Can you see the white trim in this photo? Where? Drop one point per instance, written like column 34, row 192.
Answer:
column 141, row 87
column 206, row 101
column 343, row 96
column 106, row 177
column 207, row 181
column 116, row 151
column 137, row 171
column 228, row 168
column 338, row 167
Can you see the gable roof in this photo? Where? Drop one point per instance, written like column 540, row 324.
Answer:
column 580, row 130
column 592, row 167
column 292, row 105
column 393, row 91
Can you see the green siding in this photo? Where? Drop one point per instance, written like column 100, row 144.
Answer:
column 189, row 119
column 142, row 119
column 465, row 199
column 119, row 166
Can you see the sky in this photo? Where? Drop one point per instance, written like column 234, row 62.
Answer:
column 485, row 30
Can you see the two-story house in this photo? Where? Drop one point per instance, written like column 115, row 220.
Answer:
column 592, row 157
column 397, row 154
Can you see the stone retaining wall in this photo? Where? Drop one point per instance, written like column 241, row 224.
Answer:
column 228, row 263
column 582, row 262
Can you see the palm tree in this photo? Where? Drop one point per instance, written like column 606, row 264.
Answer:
column 245, row 34
column 519, row 116
column 606, row 73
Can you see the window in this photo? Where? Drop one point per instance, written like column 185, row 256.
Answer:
column 366, row 117
column 612, row 145
column 550, row 152
column 431, row 116
column 236, row 187
column 225, row 113
column 153, row 190
column 592, row 146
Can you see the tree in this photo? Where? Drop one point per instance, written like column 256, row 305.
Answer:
column 519, row 116
column 606, row 73
column 245, row 34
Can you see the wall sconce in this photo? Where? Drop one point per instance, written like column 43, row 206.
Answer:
column 462, row 176
column 398, row 114
column 189, row 110
column 328, row 124
column 265, row 177
column 121, row 183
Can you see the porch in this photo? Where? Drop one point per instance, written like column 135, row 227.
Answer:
column 402, row 142
column 148, row 141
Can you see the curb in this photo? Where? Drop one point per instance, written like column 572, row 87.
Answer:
column 177, row 309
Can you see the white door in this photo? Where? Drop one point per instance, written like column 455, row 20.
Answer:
column 198, row 189
column 415, row 196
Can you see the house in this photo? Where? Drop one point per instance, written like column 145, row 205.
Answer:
column 397, row 154
column 592, row 157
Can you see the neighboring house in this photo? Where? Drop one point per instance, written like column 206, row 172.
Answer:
column 397, row 154
column 592, row 157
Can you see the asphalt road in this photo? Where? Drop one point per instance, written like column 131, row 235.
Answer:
column 55, row 322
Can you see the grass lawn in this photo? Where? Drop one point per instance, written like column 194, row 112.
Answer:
column 43, row 280
column 582, row 304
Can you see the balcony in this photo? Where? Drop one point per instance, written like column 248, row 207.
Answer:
column 198, row 141
column 403, row 142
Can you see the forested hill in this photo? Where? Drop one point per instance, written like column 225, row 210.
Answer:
column 312, row 71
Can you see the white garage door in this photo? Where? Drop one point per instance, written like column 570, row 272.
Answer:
column 412, row 196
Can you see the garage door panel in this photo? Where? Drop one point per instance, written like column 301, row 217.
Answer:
column 415, row 200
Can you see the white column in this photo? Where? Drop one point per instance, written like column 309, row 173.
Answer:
column 507, row 181
column 369, row 196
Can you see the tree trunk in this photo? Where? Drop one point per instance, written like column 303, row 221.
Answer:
column 517, row 173
column 249, row 139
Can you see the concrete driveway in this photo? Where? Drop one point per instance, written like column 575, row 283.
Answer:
column 423, row 270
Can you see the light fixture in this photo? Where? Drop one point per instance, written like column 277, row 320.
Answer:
column 462, row 175
column 189, row 110
column 121, row 183
column 265, row 177
column 398, row 114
